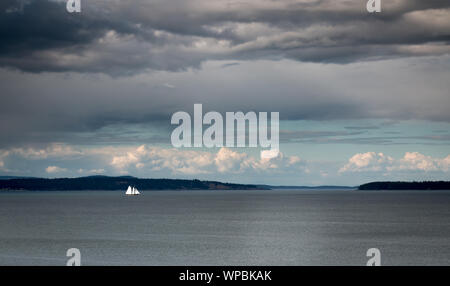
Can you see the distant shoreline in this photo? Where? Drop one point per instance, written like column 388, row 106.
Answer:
column 106, row 183
column 407, row 186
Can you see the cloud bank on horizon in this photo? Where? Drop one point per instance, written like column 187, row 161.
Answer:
column 77, row 86
column 222, row 164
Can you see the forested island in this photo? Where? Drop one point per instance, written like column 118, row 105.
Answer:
column 426, row 185
column 116, row 183
column 121, row 183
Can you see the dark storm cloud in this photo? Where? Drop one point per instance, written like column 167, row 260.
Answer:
column 95, row 109
column 41, row 36
column 127, row 37
column 262, row 47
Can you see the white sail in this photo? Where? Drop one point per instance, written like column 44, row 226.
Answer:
column 132, row 191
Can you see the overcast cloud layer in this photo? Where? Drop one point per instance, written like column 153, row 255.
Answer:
column 360, row 95
column 123, row 37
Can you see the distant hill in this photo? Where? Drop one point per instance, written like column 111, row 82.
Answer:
column 116, row 183
column 122, row 182
column 308, row 187
column 427, row 185
column 13, row 177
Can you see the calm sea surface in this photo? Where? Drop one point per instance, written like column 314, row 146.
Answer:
column 225, row 227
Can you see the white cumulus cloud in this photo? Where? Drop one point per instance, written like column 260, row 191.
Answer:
column 55, row 169
column 411, row 161
column 53, row 150
column 191, row 162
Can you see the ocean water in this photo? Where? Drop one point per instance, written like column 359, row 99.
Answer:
column 278, row 227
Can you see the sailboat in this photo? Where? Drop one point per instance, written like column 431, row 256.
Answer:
column 131, row 191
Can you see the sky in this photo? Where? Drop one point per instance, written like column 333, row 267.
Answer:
column 361, row 96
